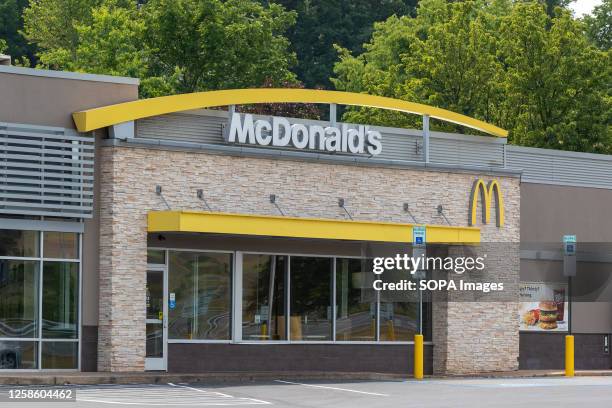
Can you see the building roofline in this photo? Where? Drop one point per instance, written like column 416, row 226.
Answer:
column 79, row 76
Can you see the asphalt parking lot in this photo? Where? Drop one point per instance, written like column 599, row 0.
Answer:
column 587, row 392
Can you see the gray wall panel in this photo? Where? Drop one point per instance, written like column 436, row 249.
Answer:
column 398, row 144
column 547, row 166
column 542, row 166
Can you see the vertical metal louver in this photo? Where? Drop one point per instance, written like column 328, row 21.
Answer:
column 45, row 171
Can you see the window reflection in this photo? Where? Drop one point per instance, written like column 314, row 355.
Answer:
column 311, row 282
column 59, row 355
column 399, row 310
column 61, row 245
column 201, row 284
column 355, row 301
column 19, row 243
column 156, row 256
column 18, row 298
column 60, row 299
column 263, row 299
column 18, row 355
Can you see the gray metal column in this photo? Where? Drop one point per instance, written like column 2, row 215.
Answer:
column 332, row 114
column 426, row 137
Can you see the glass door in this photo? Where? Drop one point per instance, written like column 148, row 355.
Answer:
column 156, row 323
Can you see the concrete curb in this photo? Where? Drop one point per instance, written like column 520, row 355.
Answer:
column 162, row 378
column 51, row 378
column 531, row 374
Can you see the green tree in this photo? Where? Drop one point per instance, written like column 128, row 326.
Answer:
column 215, row 44
column 503, row 62
column 551, row 5
column 110, row 42
column 555, row 82
column 172, row 45
column 323, row 23
column 599, row 25
column 443, row 57
column 11, row 23
column 51, row 24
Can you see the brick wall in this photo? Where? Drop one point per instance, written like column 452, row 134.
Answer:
column 304, row 189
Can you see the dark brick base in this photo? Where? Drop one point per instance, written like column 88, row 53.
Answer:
column 89, row 348
column 393, row 359
column 546, row 351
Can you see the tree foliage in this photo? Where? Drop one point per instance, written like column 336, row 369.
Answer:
column 218, row 44
column 11, row 23
column 507, row 63
column 323, row 23
column 599, row 25
column 173, row 45
column 292, row 110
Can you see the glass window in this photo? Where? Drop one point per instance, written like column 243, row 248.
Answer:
column 155, row 310
column 18, row 298
column 61, row 245
column 355, row 301
column 398, row 321
column 156, row 256
column 18, row 355
column 60, row 299
column 155, row 341
column 311, row 282
column 399, row 310
column 201, row 284
column 263, row 299
column 60, row 354
column 19, row 243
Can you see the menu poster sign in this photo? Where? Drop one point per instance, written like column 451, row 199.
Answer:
column 543, row 306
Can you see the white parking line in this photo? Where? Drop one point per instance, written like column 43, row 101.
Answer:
column 257, row 401
column 161, row 395
column 333, row 388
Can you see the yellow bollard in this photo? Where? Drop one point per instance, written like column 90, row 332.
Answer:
column 569, row 356
column 418, row 356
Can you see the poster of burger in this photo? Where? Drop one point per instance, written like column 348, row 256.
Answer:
column 543, row 306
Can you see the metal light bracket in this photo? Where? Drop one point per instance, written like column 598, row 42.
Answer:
column 274, row 203
column 341, row 205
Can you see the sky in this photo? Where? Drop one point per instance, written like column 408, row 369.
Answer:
column 581, row 7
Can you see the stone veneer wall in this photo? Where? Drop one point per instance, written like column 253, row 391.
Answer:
column 465, row 338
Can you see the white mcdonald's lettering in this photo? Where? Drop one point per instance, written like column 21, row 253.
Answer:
column 281, row 133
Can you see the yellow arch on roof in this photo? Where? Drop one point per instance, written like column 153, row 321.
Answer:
column 97, row 118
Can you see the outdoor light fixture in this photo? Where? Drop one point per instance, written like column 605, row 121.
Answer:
column 200, row 194
column 158, row 191
column 441, row 213
column 341, row 205
column 273, row 202
column 407, row 209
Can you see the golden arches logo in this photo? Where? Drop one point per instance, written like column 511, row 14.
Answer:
column 486, row 194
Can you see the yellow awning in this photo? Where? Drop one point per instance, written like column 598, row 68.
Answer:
column 294, row 227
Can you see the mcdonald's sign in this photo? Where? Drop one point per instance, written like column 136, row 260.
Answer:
column 486, row 195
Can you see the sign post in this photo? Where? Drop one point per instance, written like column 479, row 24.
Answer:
column 569, row 270
column 419, row 241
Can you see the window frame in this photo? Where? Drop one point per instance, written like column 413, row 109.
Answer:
column 236, row 309
column 39, row 339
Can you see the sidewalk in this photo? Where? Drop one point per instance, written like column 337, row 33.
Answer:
column 60, row 378
column 534, row 374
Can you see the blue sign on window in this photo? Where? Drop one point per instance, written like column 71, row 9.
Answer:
column 418, row 235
